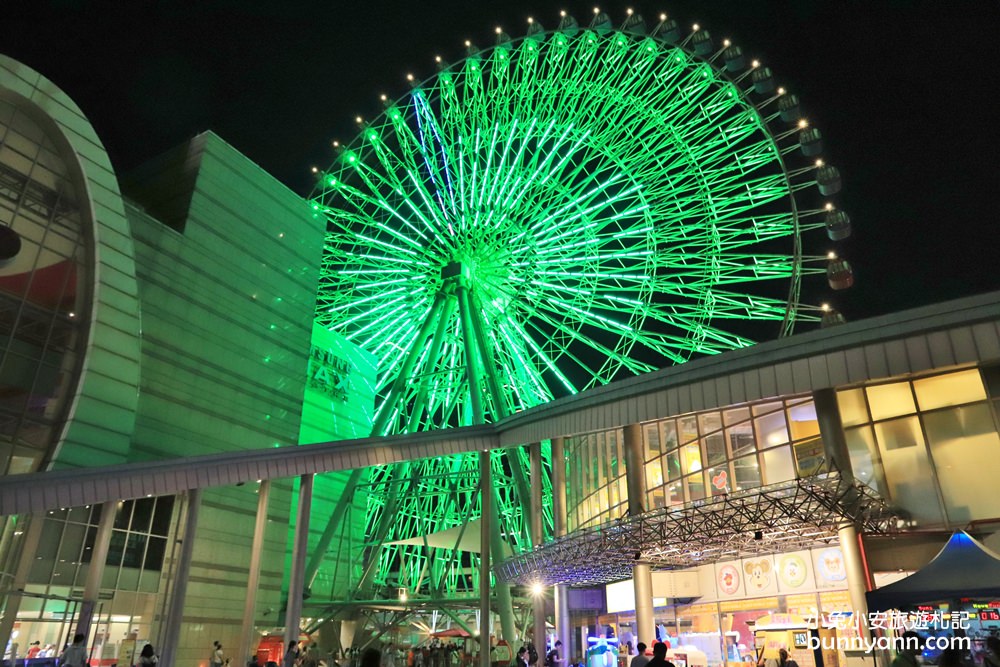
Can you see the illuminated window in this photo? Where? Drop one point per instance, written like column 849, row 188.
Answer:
column 890, row 400
column 853, row 409
column 907, row 470
column 942, row 391
column 771, row 430
column 966, row 451
column 778, row 466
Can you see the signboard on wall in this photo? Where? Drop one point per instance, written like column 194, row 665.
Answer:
column 759, row 577
column 794, row 571
column 339, row 399
column 831, row 572
column 729, row 579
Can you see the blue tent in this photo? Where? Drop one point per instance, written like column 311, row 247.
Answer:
column 964, row 568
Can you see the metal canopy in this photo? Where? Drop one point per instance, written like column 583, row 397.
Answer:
column 778, row 518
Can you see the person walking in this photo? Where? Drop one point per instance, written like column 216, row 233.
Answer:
column 784, row 660
column 291, row 658
column 147, row 658
column 218, row 658
column 991, row 657
column 659, row 656
column 75, row 654
column 640, row 659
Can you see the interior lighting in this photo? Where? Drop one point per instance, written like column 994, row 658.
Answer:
column 755, row 63
column 536, row 589
column 803, row 123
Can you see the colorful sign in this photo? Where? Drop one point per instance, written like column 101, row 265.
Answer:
column 728, row 580
column 831, row 572
column 759, row 576
column 792, row 571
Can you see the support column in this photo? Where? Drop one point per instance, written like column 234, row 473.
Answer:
column 253, row 579
column 296, row 580
column 642, row 578
column 95, row 573
column 831, row 429
column 559, row 514
column 30, row 536
column 505, row 606
column 486, row 513
column 537, row 537
column 182, row 570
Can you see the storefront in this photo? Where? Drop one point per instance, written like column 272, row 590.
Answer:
column 744, row 604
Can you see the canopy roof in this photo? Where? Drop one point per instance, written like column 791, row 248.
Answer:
column 963, row 568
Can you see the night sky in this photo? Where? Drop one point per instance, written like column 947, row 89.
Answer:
column 904, row 93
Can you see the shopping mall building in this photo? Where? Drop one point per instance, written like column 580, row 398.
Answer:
column 160, row 368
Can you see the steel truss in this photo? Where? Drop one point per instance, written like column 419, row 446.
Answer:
column 782, row 517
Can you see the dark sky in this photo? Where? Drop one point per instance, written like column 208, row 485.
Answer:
column 904, row 93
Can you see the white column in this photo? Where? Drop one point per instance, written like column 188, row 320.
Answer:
column 485, row 502
column 30, row 535
column 171, row 631
column 642, row 577
column 253, row 578
column 537, row 537
column 559, row 515
column 857, row 582
column 300, row 548
column 95, row 573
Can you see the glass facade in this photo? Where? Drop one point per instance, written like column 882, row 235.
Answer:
column 136, row 557
column 929, row 445
column 595, row 483
column 700, row 456
column 43, row 291
column 694, row 457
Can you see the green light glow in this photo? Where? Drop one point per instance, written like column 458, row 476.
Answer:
column 546, row 217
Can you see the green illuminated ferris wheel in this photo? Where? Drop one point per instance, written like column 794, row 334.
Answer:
column 567, row 208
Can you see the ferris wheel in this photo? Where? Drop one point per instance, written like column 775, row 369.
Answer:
column 567, row 208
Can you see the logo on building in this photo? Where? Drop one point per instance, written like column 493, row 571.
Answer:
column 329, row 374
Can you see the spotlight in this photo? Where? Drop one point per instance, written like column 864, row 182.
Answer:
column 536, row 589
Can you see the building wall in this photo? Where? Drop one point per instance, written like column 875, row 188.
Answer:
column 96, row 426
column 228, row 290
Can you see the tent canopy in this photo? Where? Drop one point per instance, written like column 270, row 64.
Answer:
column 449, row 539
column 451, row 632
column 964, row 568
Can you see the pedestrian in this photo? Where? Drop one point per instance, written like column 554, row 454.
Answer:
column 784, row 660
column 907, row 654
column 659, row 656
column 991, row 658
column 554, row 657
column 75, row 654
column 291, row 658
column 147, row 658
column 218, row 658
column 522, row 657
column 641, row 659
column 371, row 658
